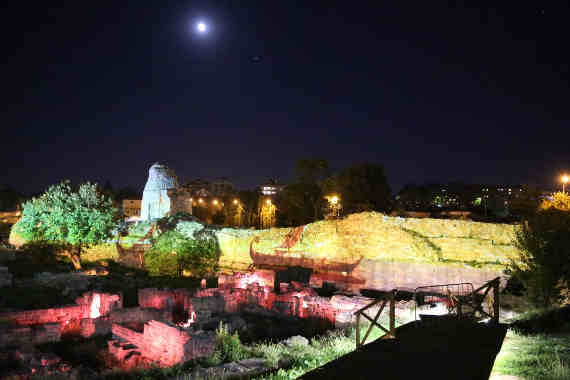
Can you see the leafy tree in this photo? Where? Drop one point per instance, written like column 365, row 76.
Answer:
column 300, row 203
column 559, row 201
column 543, row 262
column 72, row 218
column 364, row 187
column 250, row 201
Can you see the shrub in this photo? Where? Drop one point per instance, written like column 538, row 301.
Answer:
column 173, row 253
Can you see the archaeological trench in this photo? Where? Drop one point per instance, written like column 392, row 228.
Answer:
column 360, row 252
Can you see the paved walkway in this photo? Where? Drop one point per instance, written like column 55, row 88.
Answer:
column 444, row 350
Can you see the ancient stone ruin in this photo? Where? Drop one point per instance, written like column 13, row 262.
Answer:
column 168, row 326
column 162, row 196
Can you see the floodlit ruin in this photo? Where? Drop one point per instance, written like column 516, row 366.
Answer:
column 171, row 326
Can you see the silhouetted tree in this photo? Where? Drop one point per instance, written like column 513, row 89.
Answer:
column 364, row 187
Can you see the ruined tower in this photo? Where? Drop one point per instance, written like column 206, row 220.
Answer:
column 156, row 201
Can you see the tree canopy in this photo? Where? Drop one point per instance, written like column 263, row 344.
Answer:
column 72, row 218
column 364, row 187
column 543, row 262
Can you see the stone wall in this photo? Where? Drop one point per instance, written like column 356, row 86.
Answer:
column 372, row 250
column 68, row 318
column 165, row 344
column 102, row 325
column 176, row 299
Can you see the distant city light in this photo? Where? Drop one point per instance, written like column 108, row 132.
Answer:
column 235, row 201
column 215, row 201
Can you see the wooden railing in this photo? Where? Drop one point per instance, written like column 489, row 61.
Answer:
column 390, row 298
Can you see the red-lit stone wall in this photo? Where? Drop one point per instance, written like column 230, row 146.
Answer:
column 164, row 344
column 67, row 317
column 165, row 298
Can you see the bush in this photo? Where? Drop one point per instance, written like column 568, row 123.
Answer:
column 173, row 253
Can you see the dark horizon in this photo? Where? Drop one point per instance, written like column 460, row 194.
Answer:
column 434, row 94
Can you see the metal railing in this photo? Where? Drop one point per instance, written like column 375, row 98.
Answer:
column 461, row 299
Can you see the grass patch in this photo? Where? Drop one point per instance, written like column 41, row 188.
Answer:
column 537, row 346
column 320, row 351
column 534, row 356
column 99, row 253
column 471, row 263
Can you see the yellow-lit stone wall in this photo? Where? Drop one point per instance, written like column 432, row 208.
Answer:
column 390, row 251
column 380, row 251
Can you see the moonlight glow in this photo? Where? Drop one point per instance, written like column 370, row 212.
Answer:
column 201, row 27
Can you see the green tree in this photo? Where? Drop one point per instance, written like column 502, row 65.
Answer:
column 543, row 262
column 559, row 201
column 75, row 219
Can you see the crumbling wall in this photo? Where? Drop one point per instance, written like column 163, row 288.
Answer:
column 69, row 318
column 165, row 298
column 165, row 344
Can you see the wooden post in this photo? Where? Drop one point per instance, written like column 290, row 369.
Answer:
column 357, row 330
column 393, row 314
column 496, row 301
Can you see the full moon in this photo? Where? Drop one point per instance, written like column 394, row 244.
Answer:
column 202, row 27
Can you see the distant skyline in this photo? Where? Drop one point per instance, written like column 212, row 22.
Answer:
column 433, row 93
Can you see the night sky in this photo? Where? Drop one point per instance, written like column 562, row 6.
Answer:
column 101, row 90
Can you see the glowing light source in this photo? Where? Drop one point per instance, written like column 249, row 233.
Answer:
column 201, row 27
column 564, row 180
column 94, row 310
column 235, row 201
column 268, row 201
column 215, row 202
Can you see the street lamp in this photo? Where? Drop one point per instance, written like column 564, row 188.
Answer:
column 334, row 205
column 564, row 179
